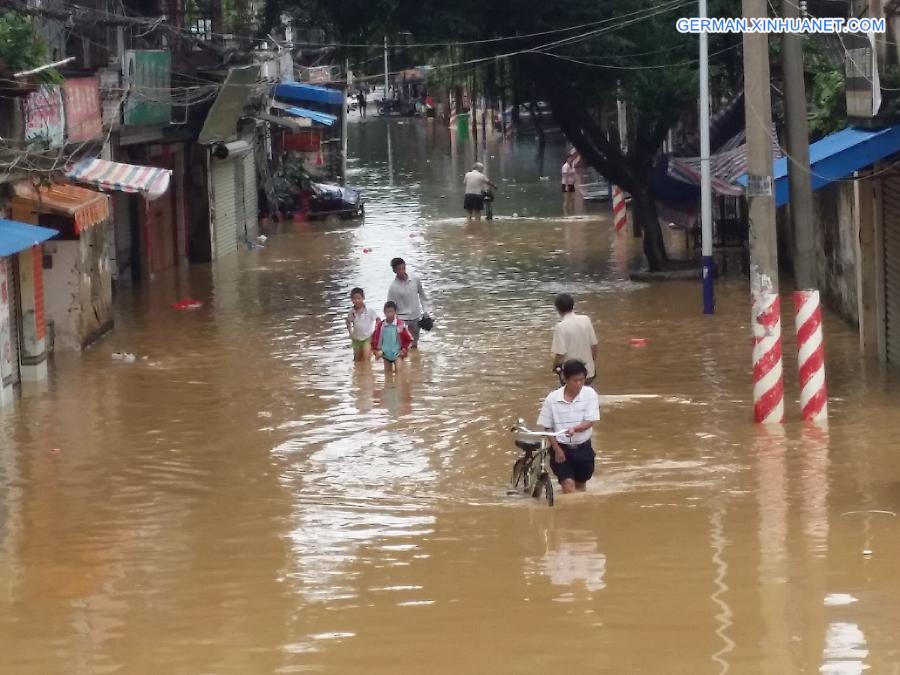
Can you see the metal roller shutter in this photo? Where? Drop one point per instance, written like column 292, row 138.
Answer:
column 225, row 202
column 14, row 304
column 251, row 208
column 891, row 224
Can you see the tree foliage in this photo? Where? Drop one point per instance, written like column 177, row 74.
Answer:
column 20, row 46
column 614, row 48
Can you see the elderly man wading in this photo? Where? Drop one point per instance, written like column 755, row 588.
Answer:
column 412, row 302
column 476, row 183
column 573, row 338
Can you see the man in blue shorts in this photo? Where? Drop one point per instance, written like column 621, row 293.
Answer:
column 572, row 409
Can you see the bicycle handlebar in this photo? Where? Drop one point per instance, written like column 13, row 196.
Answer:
column 520, row 428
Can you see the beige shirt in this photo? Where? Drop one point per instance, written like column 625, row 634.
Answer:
column 475, row 182
column 573, row 337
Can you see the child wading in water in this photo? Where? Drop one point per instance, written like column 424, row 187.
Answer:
column 361, row 322
column 392, row 338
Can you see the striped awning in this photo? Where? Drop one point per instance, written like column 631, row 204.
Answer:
column 86, row 207
column 725, row 167
column 149, row 181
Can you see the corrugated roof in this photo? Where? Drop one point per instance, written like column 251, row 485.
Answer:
column 16, row 237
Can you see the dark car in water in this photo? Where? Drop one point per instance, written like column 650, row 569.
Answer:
column 319, row 200
column 326, row 199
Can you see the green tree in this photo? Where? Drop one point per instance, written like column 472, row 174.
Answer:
column 613, row 47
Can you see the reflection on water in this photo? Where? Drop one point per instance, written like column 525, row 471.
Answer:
column 245, row 500
column 845, row 650
column 572, row 561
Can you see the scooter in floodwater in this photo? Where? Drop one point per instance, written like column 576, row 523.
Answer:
column 488, row 196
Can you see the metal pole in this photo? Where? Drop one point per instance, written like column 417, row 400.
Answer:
column 386, row 100
column 344, row 115
column 768, row 383
column 622, row 119
column 705, row 186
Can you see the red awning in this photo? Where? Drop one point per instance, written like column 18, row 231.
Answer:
column 86, row 207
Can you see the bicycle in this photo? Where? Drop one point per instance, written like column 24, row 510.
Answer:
column 532, row 468
column 488, row 196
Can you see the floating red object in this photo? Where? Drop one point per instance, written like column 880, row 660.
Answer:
column 638, row 342
column 187, row 303
column 367, row 250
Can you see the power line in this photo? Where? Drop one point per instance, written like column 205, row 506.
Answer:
column 653, row 67
column 464, row 43
column 107, row 18
column 540, row 49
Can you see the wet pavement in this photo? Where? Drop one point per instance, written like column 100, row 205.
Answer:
column 244, row 500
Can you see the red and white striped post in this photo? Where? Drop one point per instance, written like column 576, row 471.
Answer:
column 619, row 208
column 811, row 356
column 768, row 380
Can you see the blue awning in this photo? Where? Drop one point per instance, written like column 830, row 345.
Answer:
column 300, row 92
column 16, row 237
column 314, row 115
column 837, row 156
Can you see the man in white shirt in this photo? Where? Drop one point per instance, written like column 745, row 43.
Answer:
column 476, row 183
column 409, row 295
column 570, row 412
column 573, row 337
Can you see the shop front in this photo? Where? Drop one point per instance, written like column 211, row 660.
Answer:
column 319, row 146
column 23, row 348
column 149, row 233
column 75, row 264
column 233, row 196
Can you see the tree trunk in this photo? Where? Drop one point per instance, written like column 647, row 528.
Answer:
column 645, row 219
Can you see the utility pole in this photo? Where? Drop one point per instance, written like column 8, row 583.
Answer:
column 386, row 101
column 622, row 121
column 768, row 383
column 807, row 312
column 622, row 118
column 797, row 136
column 348, row 81
column 705, row 183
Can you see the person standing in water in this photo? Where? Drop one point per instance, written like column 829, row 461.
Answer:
column 476, row 183
column 409, row 298
column 391, row 338
column 570, row 412
column 573, row 337
column 568, row 185
column 361, row 323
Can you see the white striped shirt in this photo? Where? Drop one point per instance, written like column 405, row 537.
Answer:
column 558, row 414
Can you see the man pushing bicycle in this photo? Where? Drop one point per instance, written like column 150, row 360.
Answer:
column 571, row 409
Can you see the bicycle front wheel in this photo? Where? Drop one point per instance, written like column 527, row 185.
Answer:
column 518, row 473
column 545, row 485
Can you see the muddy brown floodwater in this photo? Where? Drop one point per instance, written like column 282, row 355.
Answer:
column 246, row 501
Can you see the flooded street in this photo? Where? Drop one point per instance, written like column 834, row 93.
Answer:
column 242, row 499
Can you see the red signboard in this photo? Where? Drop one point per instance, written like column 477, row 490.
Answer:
column 44, row 116
column 305, row 140
column 83, row 121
